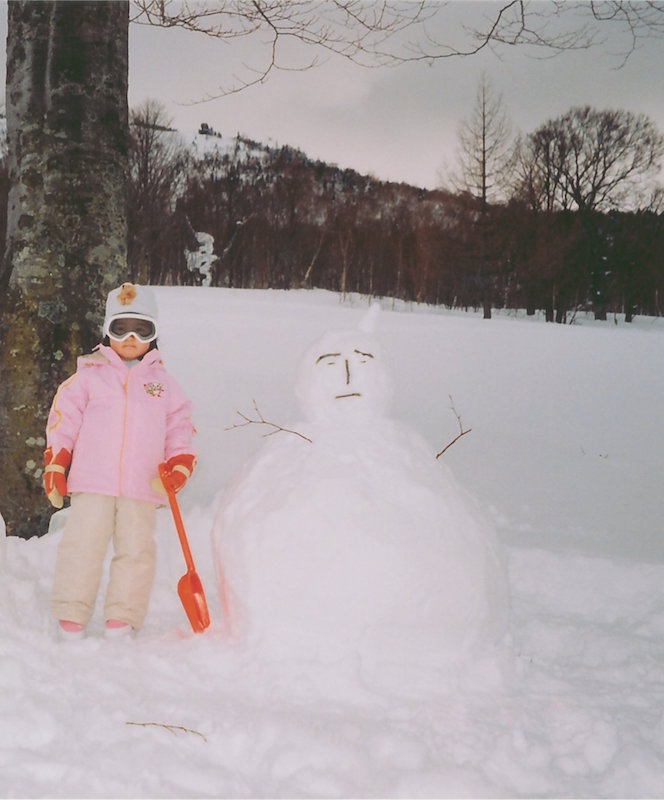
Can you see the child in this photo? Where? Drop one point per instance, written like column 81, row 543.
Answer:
column 115, row 421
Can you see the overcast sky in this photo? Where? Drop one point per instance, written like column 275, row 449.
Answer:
column 397, row 124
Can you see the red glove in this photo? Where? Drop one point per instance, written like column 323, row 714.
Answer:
column 177, row 471
column 55, row 483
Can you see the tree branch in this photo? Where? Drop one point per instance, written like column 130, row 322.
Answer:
column 370, row 34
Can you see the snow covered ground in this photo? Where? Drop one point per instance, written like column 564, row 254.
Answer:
column 564, row 461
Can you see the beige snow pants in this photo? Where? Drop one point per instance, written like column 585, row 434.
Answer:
column 94, row 520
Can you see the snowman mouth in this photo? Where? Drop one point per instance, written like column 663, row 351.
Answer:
column 350, row 394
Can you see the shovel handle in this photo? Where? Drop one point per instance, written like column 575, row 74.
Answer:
column 177, row 518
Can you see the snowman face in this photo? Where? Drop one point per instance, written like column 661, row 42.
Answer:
column 342, row 376
column 346, row 374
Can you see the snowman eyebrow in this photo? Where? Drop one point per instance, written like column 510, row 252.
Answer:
column 328, row 355
column 366, row 355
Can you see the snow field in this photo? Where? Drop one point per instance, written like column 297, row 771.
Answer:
column 563, row 459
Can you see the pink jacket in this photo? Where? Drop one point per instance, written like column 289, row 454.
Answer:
column 119, row 423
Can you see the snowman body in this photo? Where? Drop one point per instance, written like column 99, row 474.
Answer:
column 355, row 539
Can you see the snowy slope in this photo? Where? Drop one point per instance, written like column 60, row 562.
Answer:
column 214, row 144
column 564, row 460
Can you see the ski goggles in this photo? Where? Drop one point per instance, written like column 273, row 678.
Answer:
column 121, row 328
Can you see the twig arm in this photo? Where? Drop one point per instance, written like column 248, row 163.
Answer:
column 262, row 421
column 461, row 433
column 172, row 728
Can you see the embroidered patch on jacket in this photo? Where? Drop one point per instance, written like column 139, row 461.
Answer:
column 154, row 388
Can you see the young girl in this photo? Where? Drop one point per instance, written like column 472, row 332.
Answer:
column 110, row 427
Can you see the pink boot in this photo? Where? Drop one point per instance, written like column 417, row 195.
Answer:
column 70, row 630
column 116, row 628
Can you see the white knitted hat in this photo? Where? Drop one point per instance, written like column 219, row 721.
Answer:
column 130, row 300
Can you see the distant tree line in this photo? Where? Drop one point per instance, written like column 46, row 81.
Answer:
column 573, row 230
column 566, row 235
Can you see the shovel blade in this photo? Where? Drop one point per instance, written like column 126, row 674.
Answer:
column 192, row 597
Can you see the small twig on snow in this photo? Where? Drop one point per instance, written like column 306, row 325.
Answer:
column 461, row 433
column 262, row 421
column 172, row 728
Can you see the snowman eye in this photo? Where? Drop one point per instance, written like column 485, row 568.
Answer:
column 364, row 357
column 328, row 355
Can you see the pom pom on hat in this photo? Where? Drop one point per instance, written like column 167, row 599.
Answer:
column 130, row 300
column 127, row 294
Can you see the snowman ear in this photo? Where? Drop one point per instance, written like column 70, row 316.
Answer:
column 369, row 321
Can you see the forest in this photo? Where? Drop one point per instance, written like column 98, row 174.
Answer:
column 576, row 226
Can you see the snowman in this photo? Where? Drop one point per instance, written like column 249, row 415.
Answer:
column 345, row 536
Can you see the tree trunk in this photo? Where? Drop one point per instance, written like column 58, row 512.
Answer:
column 68, row 135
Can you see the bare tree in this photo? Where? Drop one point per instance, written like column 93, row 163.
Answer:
column 156, row 167
column 485, row 164
column 485, row 147
column 591, row 160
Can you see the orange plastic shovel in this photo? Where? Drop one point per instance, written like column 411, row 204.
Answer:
column 190, row 588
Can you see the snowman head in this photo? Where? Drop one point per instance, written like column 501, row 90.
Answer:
column 342, row 378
